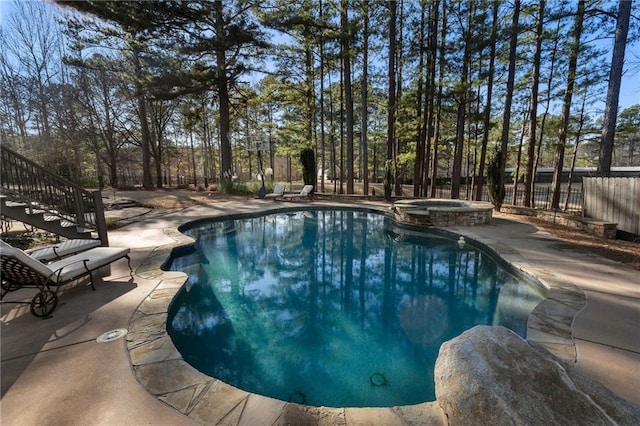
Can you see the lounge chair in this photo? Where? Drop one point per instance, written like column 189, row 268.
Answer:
column 305, row 193
column 21, row 270
column 278, row 191
column 64, row 249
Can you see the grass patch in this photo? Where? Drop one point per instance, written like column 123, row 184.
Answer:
column 112, row 223
column 230, row 187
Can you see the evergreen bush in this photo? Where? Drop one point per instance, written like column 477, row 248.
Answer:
column 388, row 179
column 308, row 160
column 495, row 179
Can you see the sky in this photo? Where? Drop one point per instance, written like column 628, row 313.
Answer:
column 629, row 91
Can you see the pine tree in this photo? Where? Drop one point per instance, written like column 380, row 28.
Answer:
column 566, row 105
column 613, row 92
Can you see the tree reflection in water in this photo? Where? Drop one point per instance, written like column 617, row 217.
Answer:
column 316, row 304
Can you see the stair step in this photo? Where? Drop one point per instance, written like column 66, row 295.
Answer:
column 88, row 231
column 46, row 221
column 53, row 218
column 14, row 204
column 67, row 224
column 36, row 203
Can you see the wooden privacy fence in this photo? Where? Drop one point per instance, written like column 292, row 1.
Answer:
column 615, row 199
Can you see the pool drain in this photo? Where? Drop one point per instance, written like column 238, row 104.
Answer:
column 112, row 335
column 297, row 397
column 378, row 379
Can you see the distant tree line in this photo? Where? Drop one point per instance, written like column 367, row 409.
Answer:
column 162, row 92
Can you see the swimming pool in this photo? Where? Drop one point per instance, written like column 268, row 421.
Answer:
column 334, row 307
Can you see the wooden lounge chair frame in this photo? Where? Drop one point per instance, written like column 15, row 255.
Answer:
column 21, row 270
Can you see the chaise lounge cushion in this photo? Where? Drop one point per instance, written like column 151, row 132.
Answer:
column 74, row 266
column 66, row 248
column 278, row 191
column 305, row 192
column 64, row 270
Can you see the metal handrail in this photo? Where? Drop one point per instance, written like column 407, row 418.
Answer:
column 25, row 181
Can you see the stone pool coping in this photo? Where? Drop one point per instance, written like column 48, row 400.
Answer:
column 160, row 368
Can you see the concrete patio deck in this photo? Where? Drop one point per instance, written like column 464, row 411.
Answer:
column 54, row 372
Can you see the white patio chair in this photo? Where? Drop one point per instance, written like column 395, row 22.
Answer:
column 278, row 191
column 305, row 193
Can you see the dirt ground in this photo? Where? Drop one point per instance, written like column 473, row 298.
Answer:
column 626, row 252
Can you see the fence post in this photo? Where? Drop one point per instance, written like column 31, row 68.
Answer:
column 101, row 222
column 546, row 202
column 78, row 205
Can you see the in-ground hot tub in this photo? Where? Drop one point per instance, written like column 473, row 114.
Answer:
column 442, row 212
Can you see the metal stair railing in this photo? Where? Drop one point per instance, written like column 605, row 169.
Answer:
column 23, row 180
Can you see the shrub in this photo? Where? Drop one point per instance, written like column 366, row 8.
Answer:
column 112, row 222
column 495, row 179
column 124, row 187
column 388, row 179
column 234, row 187
column 308, row 160
column 90, row 182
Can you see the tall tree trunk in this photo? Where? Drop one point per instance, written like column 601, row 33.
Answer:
column 159, row 162
column 332, row 137
column 506, row 118
column 428, row 121
column 226, row 156
column 545, row 114
column 311, row 134
column 516, row 175
column 391, row 112
column 167, row 167
column 364, row 116
column 113, row 175
column 272, row 151
column 193, row 159
column 421, row 123
column 399, row 62
column 147, row 182
column 99, row 164
column 566, row 105
column 613, row 92
column 456, row 175
column 575, row 151
column 323, row 164
column 436, row 134
column 476, row 133
column 309, row 83
column 533, row 110
column 348, row 92
column 342, row 174
column 205, row 148
column 312, row 139
column 225, row 141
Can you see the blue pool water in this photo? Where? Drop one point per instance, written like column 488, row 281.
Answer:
column 334, row 308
